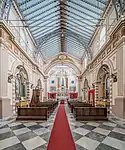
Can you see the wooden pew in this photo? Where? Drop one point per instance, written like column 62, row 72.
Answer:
column 37, row 109
column 74, row 104
column 32, row 113
column 90, row 113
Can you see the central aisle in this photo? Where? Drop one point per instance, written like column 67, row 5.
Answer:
column 61, row 137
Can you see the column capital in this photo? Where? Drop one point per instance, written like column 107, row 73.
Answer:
column 45, row 77
column 79, row 78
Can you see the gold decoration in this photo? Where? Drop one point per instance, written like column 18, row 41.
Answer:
column 62, row 58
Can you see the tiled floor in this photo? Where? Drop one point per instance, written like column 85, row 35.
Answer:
column 87, row 135
column 97, row 135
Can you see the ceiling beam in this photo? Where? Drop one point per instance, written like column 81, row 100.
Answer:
column 41, row 34
column 83, row 7
column 42, row 19
column 40, row 26
column 25, row 2
column 32, row 5
column 91, row 4
column 38, row 9
column 63, row 21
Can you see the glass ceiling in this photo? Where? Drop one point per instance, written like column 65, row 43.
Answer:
column 47, row 18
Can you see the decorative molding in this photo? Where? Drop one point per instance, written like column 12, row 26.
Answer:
column 62, row 57
column 10, row 77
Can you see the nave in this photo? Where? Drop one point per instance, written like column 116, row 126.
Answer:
column 38, row 135
column 62, row 74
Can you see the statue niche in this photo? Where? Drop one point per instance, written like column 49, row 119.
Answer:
column 20, row 82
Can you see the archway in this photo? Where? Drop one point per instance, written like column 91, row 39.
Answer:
column 21, row 80
column 103, row 81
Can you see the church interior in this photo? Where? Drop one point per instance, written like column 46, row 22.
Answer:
column 62, row 75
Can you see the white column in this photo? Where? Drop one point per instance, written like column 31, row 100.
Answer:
column 79, row 87
column 45, row 89
column 28, row 90
column 96, row 92
column 6, row 109
column 13, row 96
column 110, row 94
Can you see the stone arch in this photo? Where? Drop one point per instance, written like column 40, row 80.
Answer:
column 103, row 85
column 106, row 63
column 67, row 63
column 103, row 70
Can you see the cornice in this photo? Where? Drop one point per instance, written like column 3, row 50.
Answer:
column 4, row 27
column 116, row 37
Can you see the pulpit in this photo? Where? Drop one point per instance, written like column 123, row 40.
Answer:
column 35, row 98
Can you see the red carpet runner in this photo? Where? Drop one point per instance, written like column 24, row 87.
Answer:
column 61, row 137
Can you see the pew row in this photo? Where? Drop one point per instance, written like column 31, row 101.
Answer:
column 90, row 113
column 39, row 112
column 73, row 104
column 33, row 113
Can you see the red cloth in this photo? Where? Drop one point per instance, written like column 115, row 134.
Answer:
column 52, row 95
column 61, row 101
column 61, row 137
column 73, row 95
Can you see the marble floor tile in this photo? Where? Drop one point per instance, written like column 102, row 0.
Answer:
column 6, row 135
column 101, row 131
column 76, row 136
column 81, row 131
column 106, row 127
column 46, row 136
column 118, row 144
column 88, row 143
column 18, row 127
column 109, row 124
column 78, row 124
column 93, row 124
column 41, row 131
column 117, row 135
column 16, row 147
column 26, row 136
column 73, row 127
column 28, row 124
column 21, row 131
column 14, row 124
column 9, row 142
column 44, row 124
column 4, row 130
column 4, row 126
column 78, row 147
column 105, row 147
column 34, row 127
column 88, row 127
column 119, row 130
column 33, row 143
column 43, row 147
column 95, row 136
